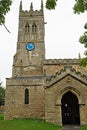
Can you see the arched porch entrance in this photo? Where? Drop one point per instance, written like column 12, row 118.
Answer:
column 70, row 109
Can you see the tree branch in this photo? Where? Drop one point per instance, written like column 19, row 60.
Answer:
column 6, row 28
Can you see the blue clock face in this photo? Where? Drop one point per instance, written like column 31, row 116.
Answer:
column 30, row 46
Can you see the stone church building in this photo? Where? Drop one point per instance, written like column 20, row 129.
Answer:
column 50, row 89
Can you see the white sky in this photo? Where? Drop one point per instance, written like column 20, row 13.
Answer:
column 62, row 33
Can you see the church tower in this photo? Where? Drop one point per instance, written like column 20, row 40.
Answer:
column 50, row 89
column 30, row 46
column 25, row 89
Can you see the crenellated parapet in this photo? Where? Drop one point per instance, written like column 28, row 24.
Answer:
column 31, row 11
column 61, row 61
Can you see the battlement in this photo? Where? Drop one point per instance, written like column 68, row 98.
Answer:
column 31, row 12
column 61, row 61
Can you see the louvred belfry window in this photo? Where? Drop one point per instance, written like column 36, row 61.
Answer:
column 34, row 28
column 27, row 28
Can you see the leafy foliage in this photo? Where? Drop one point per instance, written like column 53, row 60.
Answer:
column 4, row 8
column 2, row 95
column 83, row 62
column 85, row 26
column 83, row 40
column 80, row 6
column 51, row 4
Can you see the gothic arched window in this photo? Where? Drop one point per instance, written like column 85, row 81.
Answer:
column 27, row 28
column 34, row 28
column 26, row 96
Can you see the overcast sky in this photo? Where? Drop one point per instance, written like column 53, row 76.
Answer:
column 62, row 33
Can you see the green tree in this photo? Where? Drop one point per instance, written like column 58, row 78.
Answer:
column 4, row 8
column 2, row 94
column 79, row 7
column 83, row 40
column 51, row 4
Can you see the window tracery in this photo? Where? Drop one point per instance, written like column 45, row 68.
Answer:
column 27, row 28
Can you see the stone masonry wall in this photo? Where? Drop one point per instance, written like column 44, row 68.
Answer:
column 53, row 96
column 15, row 106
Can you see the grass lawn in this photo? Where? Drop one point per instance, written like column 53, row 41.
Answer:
column 26, row 124
column 83, row 127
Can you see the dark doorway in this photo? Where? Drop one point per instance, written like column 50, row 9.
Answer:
column 70, row 109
